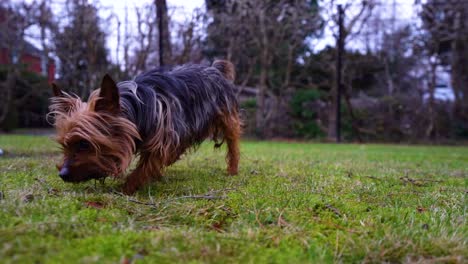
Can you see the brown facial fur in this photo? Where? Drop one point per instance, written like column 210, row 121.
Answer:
column 110, row 138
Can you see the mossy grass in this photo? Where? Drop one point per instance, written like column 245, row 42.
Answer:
column 290, row 203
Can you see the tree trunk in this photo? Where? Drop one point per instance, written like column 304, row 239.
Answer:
column 351, row 114
column 260, row 115
column 460, row 75
column 431, row 127
column 388, row 76
column 8, row 100
column 331, row 134
column 460, row 65
column 164, row 36
column 261, row 94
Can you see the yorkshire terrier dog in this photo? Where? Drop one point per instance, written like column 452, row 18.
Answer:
column 158, row 116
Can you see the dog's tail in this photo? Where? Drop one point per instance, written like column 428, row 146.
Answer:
column 226, row 68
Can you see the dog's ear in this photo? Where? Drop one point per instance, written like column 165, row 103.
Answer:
column 109, row 96
column 61, row 104
column 56, row 90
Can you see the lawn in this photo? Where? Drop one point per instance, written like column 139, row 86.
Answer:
column 291, row 203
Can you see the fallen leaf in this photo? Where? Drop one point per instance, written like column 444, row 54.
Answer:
column 27, row 198
column 218, row 227
column 97, row 205
column 125, row 260
column 421, row 209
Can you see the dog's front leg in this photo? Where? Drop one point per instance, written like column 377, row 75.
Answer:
column 149, row 168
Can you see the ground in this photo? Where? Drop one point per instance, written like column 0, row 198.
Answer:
column 291, row 202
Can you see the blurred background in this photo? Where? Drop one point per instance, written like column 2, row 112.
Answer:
column 355, row 71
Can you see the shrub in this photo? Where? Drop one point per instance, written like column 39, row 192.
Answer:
column 249, row 104
column 304, row 114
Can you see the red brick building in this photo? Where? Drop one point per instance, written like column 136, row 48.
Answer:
column 33, row 59
column 29, row 55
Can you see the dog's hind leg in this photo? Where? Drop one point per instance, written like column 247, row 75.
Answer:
column 148, row 169
column 232, row 132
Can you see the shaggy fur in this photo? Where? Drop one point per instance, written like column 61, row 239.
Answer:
column 159, row 116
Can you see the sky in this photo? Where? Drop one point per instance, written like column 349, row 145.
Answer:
column 403, row 9
column 404, row 12
column 181, row 10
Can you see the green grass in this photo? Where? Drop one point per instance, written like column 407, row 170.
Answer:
column 291, row 202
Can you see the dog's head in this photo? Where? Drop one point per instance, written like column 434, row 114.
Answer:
column 97, row 140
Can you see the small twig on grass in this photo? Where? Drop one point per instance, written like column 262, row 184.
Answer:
column 46, row 186
column 374, row 178
column 257, row 218
column 281, row 222
column 333, row 209
column 344, row 228
column 223, row 190
column 42, row 182
column 134, row 200
column 329, row 223
column 208, row 197
column 417, row 182
column 429, row 180
column 414, row 182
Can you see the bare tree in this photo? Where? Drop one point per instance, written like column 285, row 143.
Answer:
column 447, row 31
column 263, row 35
column 80, row 47
column 19, row 18
column 188, row 43
column 164, row 35
column 140, row 42
column 145, row 38
column 352, row 28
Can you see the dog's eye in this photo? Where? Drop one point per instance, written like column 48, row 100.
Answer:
column 84, row 145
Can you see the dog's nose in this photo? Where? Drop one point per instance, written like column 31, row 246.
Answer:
column 64, row 173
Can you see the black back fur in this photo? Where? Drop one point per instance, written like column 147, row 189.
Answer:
column 182, row 103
